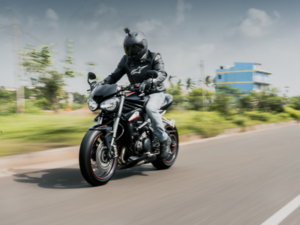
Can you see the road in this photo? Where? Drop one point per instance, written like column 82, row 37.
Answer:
column 241, row 179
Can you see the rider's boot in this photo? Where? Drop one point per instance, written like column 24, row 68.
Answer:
column 165, row 148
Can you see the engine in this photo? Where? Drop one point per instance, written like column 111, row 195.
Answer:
column 143, row 144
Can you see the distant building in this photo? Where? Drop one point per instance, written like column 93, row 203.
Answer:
column 5, row 88
column 244, row 76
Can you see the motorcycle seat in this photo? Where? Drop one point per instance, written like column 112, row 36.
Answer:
column 167, row 102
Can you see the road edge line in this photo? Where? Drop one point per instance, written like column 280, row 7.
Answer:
column 284, row 212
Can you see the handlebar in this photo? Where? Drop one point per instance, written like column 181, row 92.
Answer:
column 134, row 87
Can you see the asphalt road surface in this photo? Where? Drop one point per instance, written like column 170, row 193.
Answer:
column 241, row 179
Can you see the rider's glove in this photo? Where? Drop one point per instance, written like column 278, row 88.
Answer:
column 145, row 85
column 105, row 81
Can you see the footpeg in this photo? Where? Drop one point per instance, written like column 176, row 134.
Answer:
column 133, row 161
column 136, row 161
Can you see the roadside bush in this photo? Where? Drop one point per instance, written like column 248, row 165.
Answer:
column 263, row 101
column 178, row 98
column 31, row 108
column 7, row 108
column 195, row 99
column 222, row 103
column 261, row 116
column 284, row 116
column 7, row 96
column 43, row 103
column 295, row 102
column 10, row 108
column 240, row 121
column 292, row 112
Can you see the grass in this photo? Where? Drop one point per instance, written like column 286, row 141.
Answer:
column 210, row 124
column 28, row 133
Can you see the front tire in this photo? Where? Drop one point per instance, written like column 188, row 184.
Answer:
column 162, row 164
column 90, row 166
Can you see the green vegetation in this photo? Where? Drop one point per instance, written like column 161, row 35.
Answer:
column 38, row 63
column 27, row 133
column 35, row 132
column 195, row 110
column 209, row 124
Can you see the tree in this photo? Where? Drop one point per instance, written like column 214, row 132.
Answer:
column 190, row 84
column 178, row 99
column 196, row 100
column 179, row 84
column 207, row 81
column 295, row 102
column 38, row 63
column 79, row 98
column 210, row 82
column 7, row 96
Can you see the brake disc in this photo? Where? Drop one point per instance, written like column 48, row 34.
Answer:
column 103, row 163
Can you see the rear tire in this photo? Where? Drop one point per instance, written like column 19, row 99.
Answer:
column 162, row 164
column 87, row 160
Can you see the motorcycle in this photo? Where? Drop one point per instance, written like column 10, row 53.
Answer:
column 123, row 136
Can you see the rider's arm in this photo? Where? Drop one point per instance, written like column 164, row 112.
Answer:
column 158, row 65
column 117, row 74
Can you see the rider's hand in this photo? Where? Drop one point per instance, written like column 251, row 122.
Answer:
column 145, row 85
column 105, row 81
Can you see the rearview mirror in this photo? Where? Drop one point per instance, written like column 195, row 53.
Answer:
column 91, row 76
column 152, row 74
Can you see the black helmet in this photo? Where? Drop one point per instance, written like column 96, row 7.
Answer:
column 135, row 44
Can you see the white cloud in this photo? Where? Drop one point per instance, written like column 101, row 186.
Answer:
column 51, row 14
column 102, row 9
column 258, row 23
column 181, row 8
column 148, row 25
column 53, row 18
column 277, row 15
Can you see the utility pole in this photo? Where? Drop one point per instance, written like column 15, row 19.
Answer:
column 287, row 90
column 18, row 68
column 202, row 84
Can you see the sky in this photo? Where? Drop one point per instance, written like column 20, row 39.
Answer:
column 219, row 32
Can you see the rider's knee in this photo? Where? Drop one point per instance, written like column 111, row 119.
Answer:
column 150, row 108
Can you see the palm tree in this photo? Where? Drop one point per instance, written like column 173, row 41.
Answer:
column 179, row 84
column 190, row 84
column 208, row 81
column 170, row 80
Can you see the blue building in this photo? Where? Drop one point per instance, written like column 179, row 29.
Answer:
column 244, row 76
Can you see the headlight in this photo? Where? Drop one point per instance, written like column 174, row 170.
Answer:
column 110, row 104
column 92, row 104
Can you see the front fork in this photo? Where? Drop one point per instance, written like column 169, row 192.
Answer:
column 111, row 153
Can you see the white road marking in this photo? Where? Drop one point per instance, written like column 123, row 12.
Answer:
column 283, row 213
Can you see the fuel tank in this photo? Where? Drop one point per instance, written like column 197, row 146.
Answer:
column 134, row 101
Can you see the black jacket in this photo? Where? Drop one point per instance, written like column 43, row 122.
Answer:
column 136, row 71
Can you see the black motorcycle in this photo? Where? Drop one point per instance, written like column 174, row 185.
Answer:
column 123, row 136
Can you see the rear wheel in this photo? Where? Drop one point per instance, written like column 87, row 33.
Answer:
column 94, row 164
column 169, row 161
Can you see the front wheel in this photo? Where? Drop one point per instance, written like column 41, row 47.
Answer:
column 94, row 164
column 169, row 161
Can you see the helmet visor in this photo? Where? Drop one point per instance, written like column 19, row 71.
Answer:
column 132, row 50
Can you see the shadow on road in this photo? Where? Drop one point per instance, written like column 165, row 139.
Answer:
column 61, row 178
column 71, row 178
column 135, row 171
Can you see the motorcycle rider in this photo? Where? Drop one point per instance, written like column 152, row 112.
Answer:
column 137, row 61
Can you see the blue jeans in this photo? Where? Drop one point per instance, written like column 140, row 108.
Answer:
column 155, row 102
